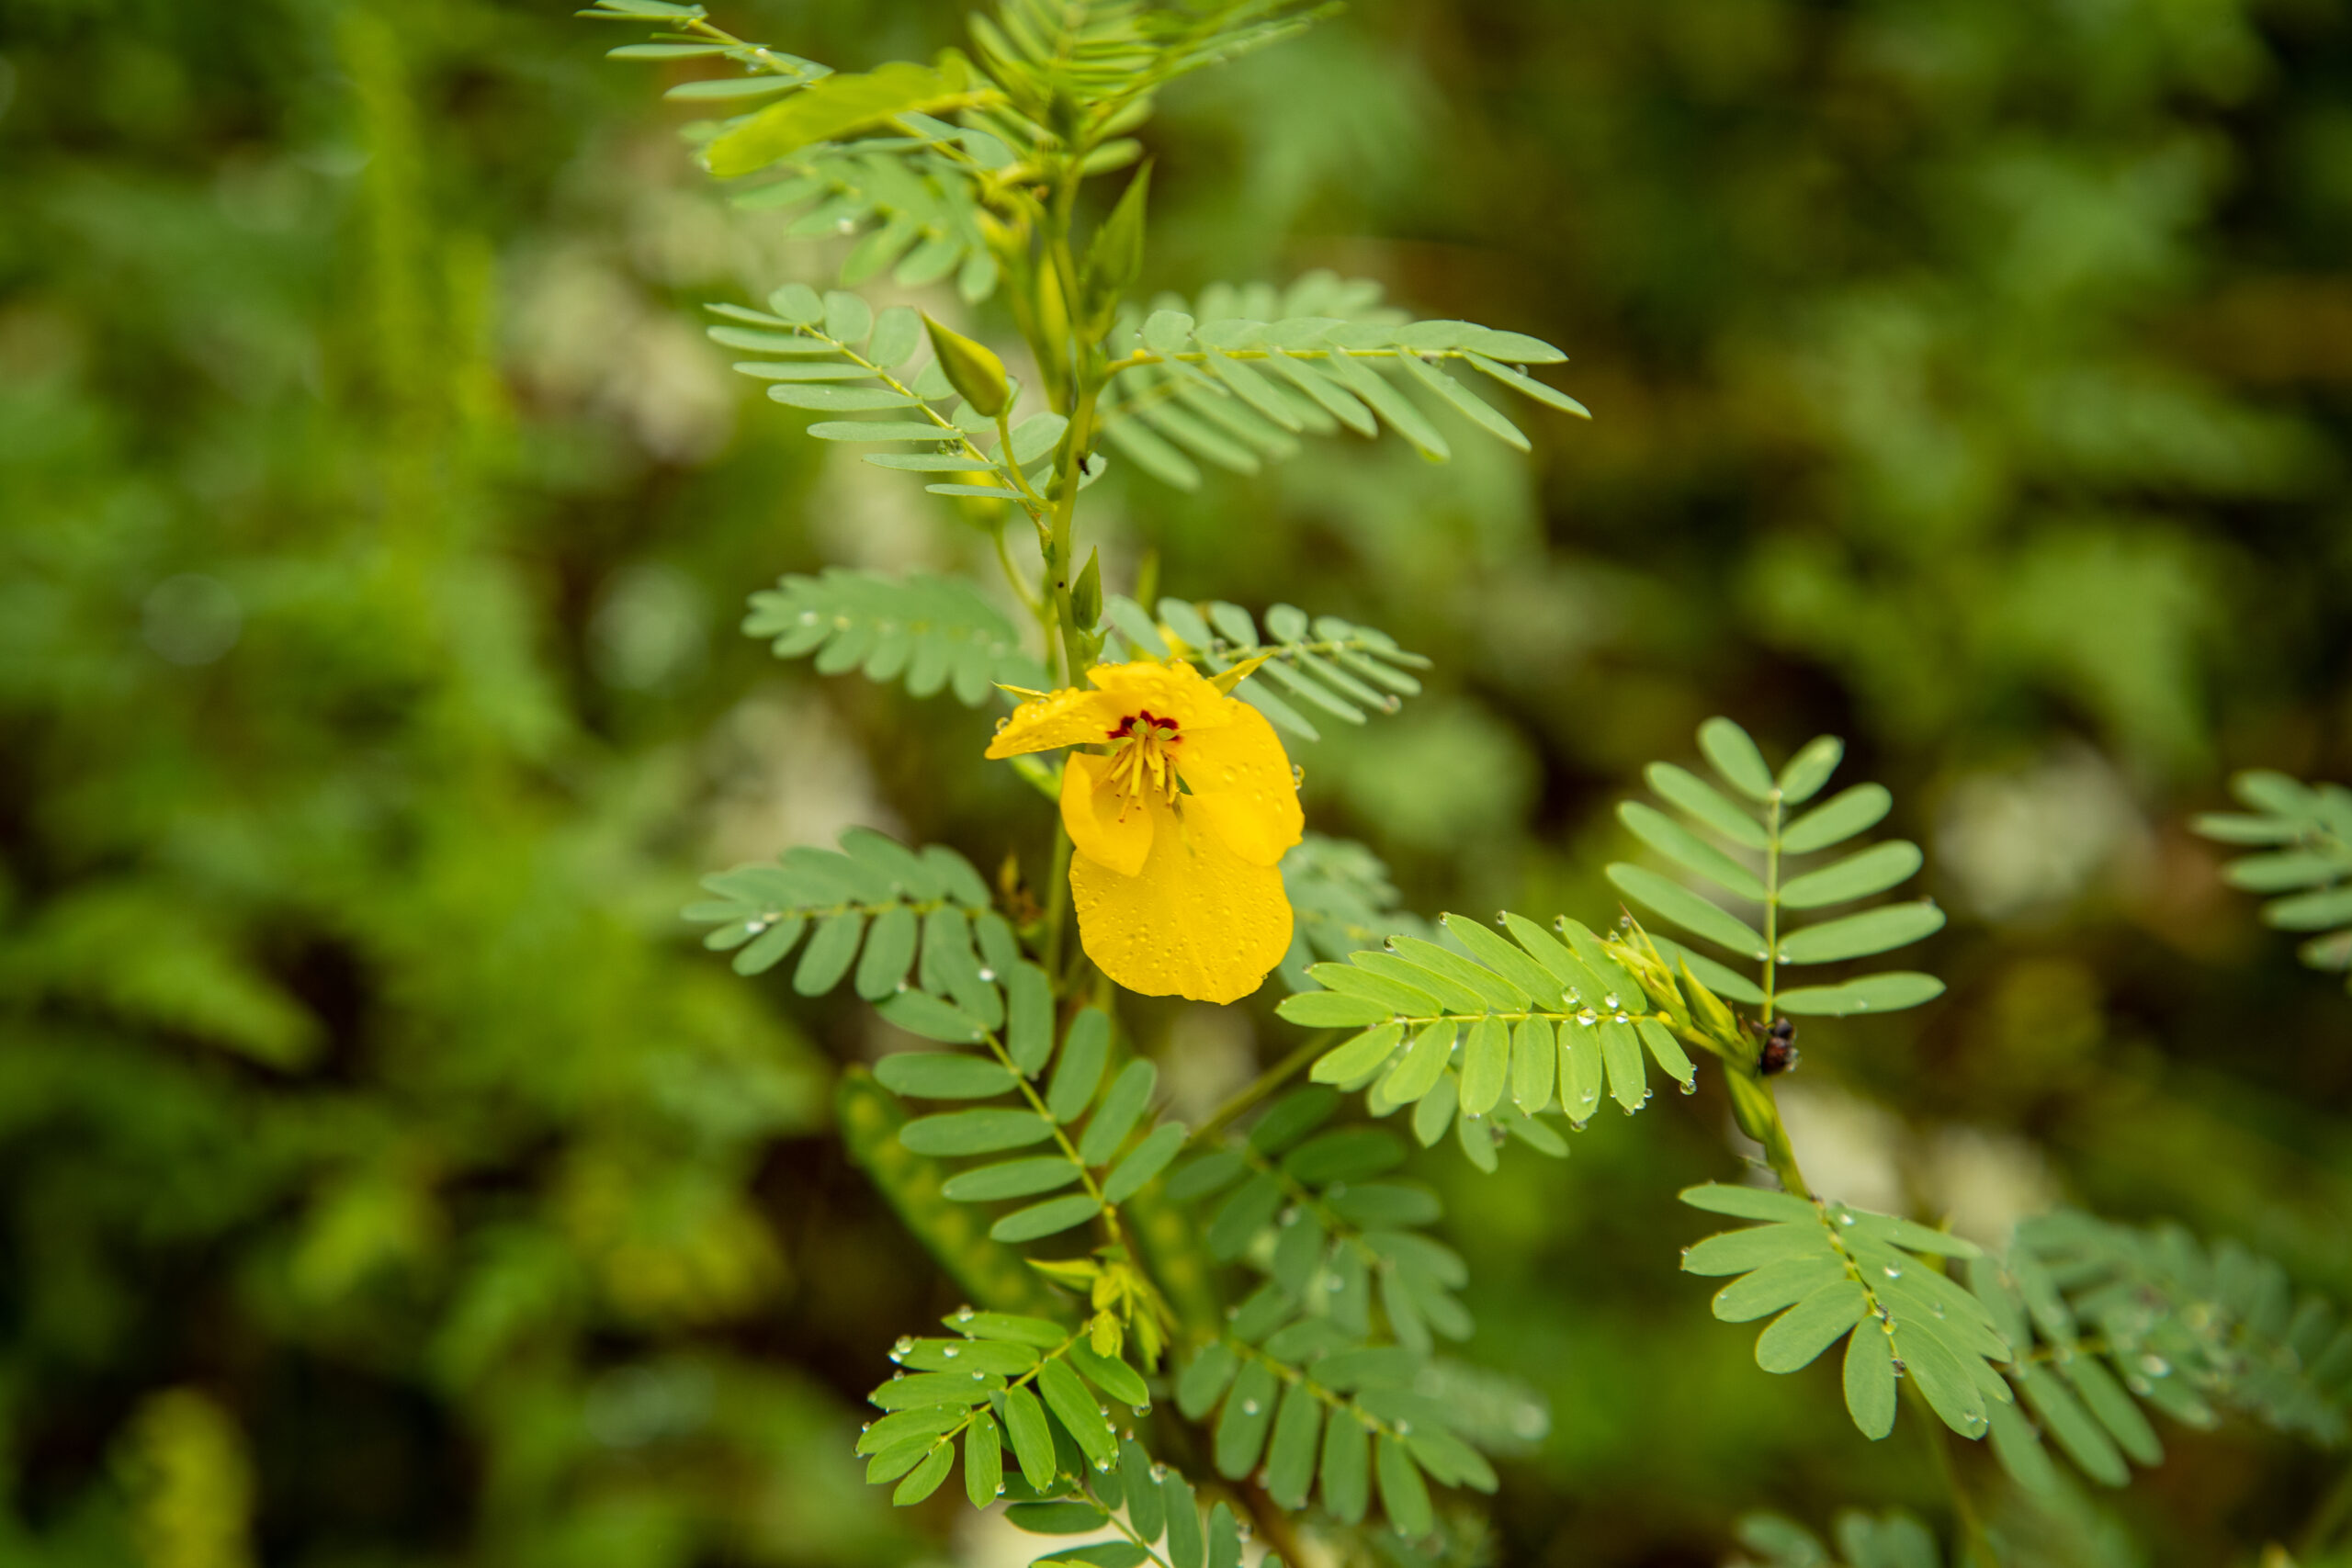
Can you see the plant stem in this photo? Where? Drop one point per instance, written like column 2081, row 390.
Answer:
column 1057, row 901
column 1758, row 1115
column 1772, row 901
column 1012, row 575
column 1273, row 1524
column 1265, row 1083
column 2326, row 1519
column 1981, row 1553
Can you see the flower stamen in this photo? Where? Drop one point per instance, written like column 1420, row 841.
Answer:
column 1139, row 748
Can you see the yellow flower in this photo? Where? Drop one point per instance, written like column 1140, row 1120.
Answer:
column 1179, row 824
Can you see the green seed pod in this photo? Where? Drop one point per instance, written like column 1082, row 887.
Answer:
column 1115, row 258
column 1086, row 598
column 973, row 370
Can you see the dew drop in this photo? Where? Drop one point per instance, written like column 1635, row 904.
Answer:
column 2155, row 1366
column 1335, row 1285
column 1689, row 1086
column 951, row 1352
column 898, row 1377
column 1844, row 1218
column 1892, row 1272
column 978, row 1377
column 1297, row 776
column 1574, row 1126
column 1404, row 1429
column 807, row 617
column 1901, row 1366
column 1000, row 724
column 1250, row 1407
column 1610, row 1001
column 987, row 973
column 1143, row 1410
column 755, row 927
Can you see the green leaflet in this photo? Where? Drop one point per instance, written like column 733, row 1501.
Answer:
column 881, row 891
column 2151, row 1318
column 929, row 633
column 836, row 103
column 1341, row 901
column 1858, row 936
column 1832, row 1273
column 1739, row 842
column 1489, row 1031
column 2306, row 831
column 1233, row 373
column 1331, row 666
column 1892, row 1541
column 1838, row 819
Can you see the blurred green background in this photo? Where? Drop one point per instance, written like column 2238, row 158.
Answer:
column 387, row 1178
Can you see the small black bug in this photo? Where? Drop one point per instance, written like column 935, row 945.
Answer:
column 1780, row 1049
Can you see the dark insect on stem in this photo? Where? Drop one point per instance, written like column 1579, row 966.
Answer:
column 1778, row 1051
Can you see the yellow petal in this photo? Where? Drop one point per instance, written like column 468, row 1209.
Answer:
column 1172, row 690
column 1243, row 789
column 1197, row 920
column 1072, row 717
column 1104, row 826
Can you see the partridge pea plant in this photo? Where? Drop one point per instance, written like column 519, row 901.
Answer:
column 1182, row 1335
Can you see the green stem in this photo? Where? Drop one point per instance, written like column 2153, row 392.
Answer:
column 1758, row 1115
column 2325, row 1520
column 1057, row 901
column 1120, row 1522
column 1036, row 502
column 1981, row 1553
column 1110, row 1212
column 1012, row 575
column 1771, row 900
column 1061, row 537
column 1272, row 1078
